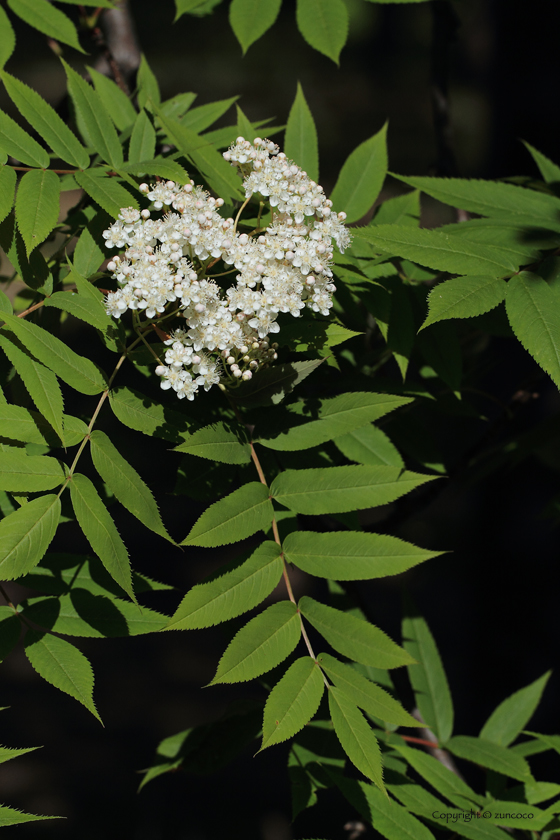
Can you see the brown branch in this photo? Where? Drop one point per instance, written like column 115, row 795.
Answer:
column 116, row 37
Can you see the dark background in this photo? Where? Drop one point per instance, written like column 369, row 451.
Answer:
column 491, row 603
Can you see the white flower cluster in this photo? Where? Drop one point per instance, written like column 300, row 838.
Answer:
column 167, row 267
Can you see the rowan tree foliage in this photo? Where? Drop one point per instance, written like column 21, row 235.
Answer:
column 287, row 345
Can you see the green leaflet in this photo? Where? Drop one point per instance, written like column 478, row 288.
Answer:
column 163, row 167
column 7, row 38
column 521, row 242
column 41, row 384
column 513, row 714
column 184, row 6
column 389, row 818
column 489, row 198
column 125, row 483
column 198, row 119
column 271, row 385
column 427, row 677
column 105, row 191
column 22, row 473
column 178, row 105
column 101, row 133
column 120, row 108
column 220, row 176
column 62, row 665
column 7, row 189
column 26, row 534
column 464, row 297
column 239, row 515
column 364, row 693
column 6, row 754
column 552, row 742
column 337, row 416
column 219, row 442
column 142, row 414
column 260, row 645
column 340, row 489
column 37, row 206
column 292, row 702
column 250, row 19
column 47, row 19
column 353, row 637
column 540, row 791
column 362, row 177
column 401, row 210
column 369, row 445
column 80, row 613
column 86, row 309
column 142, row 144
column 549, row 170
column 87, row 258
column 532, row 310
column 17, row 143
column 324, row 25
column 80, row 373
column 352, row 555
column 244, row 126
column 300, row 142
column 30, row 427
column 100, row 530
column 46, row 122
column 231, row 594
column 490, row 755
column 442, row 779
column 355, row 736
column 148, row 88
column 9, row 816
column 437, row 250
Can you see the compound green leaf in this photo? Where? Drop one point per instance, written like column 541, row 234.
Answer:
column 437, row 250
column 369, row 445
column 120, row 108
column 141, row 413
column 37, row 206
column 98, row 124
column 81, row 613
column 300, row 142
column 356, row 736
column 427, row 677
column 464, row 297
column 218, row 442
column 123, row 480
column 362, row 177
column 513, row 714
column 22, row 473
column 442, row 779
column 26, row 534
column 493, row 199
column 86, row 309
column 62, row 665
column 549, row 170
column 364, row 693
column 7, row 38
column 148, row 88
column 231, row 594
column 40, row 382
column 352, row 555
column 142, row 140
column 17, row 143
column 8, row 180
column 105, row 191
column 198, row 119
column 262, row 644
column 292, row 702
column 324, row 25
column 47, row 19
column 490, row 755
column 80, row 373
column 337, row 416
column 532, row 310
column 353, row 637
column 46, row 122
column 9, row 816
column 250, row 19
column 100, row 530
column 241, row 514
column 340, row 489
